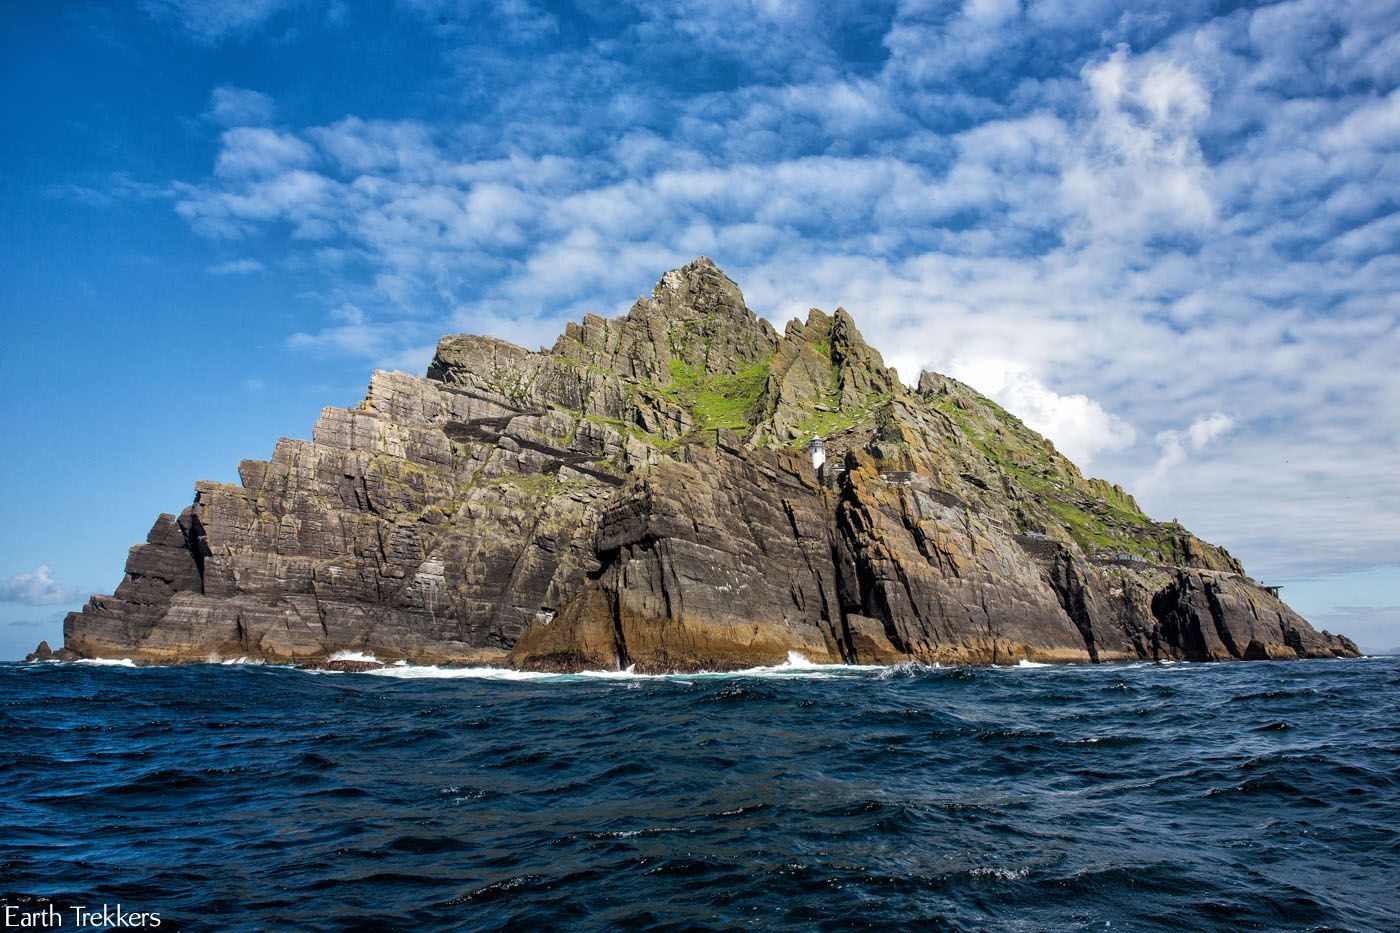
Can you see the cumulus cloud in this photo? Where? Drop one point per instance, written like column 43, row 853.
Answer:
column 1120, row 226
column 1079, row 426
column 1177, row 446
column 1142, row 173
column 1204, row 430
column 257, row 152
column 36, row 587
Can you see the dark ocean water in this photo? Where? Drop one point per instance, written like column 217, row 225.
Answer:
column 1229, row 796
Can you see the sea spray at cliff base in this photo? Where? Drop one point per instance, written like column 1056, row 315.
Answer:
column 795, row 666
column 1065, row 797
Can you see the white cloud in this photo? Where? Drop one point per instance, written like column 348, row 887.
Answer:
column 988, row 12
column 237, row 106
column 1119, row 247
column 405, row 345
column 36, row 588
column 1079, row 426
column 1177, row 446
column 358, row 146
column 236, row 267
column 926, row 47
column 1142, row 173
column 1204, row 430
column 118, row 187
column 247, row 151
column 213, row 20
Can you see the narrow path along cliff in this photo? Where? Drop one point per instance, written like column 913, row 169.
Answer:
column 643, row 494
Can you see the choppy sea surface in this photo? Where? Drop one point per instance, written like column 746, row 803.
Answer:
column 1124, row 796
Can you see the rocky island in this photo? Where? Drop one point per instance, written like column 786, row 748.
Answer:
column 681, row 488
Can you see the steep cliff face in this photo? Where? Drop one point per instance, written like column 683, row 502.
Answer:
column 640, row 494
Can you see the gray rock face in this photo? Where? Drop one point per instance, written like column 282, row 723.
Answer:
column 640, row 495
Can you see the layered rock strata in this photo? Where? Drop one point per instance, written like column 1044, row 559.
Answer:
column 641, row 495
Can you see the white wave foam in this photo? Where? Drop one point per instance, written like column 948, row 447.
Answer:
column 796, row 665
column 907, row 668
column 1025, row 662
column 353, row 656
column 627, row 674
column 107, row 662
column 432, row 671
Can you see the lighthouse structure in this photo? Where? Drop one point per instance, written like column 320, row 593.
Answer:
column 818, row 451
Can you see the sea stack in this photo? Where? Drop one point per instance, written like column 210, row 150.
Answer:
column 644, row 493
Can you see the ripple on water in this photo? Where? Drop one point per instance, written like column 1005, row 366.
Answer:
column 1208, row 796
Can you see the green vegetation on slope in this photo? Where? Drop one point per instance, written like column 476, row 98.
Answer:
column 1099, row 517
column 717, row 400
column 826, row 423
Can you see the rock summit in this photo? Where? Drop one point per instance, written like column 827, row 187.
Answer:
column 642, row 494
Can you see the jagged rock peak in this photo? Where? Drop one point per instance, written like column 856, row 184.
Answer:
column 639, row 495
column 694, row 318
column 697, row 317
column 699, row 287
column 847, row 344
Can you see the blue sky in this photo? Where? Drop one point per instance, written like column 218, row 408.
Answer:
column 1163, row 233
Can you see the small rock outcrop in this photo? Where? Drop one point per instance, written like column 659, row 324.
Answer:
column 640, row 494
